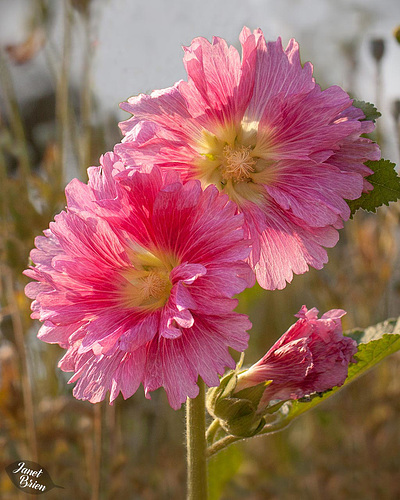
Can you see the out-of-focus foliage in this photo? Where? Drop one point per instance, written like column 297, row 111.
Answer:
column 396, row 33
column 347, row 448
column 221, row 469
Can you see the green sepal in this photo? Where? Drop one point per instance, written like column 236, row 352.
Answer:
column 238, row 417
column 226, row 387
column 237, row 413
column 270, row 410
column 386, row 184
column 245, row 427
column 254, row 393
column 369, row 110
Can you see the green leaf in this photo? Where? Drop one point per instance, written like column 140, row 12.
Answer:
column 369, row 110
column 376, row 332
column 222, row 467
column 386, row 184
column 374, row 344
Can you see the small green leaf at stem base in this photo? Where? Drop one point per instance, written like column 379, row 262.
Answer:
column 222, row 468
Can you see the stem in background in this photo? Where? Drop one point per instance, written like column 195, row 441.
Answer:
column 3, row 176
column 396, row 117
column 378, row 98
column 97, row 432
column 86, row 97
column 26, row 381
column 15, row 118
column 112, row 448
column 62, row 96
column 398, row 137
column 50, row 52
column 13, row 309
column 196, row 446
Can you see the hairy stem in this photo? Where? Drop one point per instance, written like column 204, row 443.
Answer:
column 221, row 444
column 212, row 430
column 227, row 440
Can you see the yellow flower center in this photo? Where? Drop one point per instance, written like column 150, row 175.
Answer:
column 239, row 160
column 146, row 284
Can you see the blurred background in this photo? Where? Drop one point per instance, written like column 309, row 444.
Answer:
column 64, row 67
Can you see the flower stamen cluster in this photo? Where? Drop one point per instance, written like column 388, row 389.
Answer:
column 145, row 289
column 237, row 164
column 146, row 284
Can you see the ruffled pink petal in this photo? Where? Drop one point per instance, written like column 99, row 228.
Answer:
column 214, row 70
column 284, row 245
column 285, row 365
column 278, row 71
column 88, row 238
column 335, row 314
column 58, row 334
column 301, row 126
column 316, row 194
column 206, row 347
column 98, row 374
column 166, row 107
column 188, row 273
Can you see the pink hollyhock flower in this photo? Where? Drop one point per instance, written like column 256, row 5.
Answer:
column 286, row 152
column 135, row 280
column 312, row 356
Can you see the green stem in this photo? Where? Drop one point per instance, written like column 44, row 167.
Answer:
column 221, row 444
column 196, row 446
column 227, row 440
column 212, row 430
column 276, row 427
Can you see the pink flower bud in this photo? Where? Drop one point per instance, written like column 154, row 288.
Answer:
column 312, row 356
